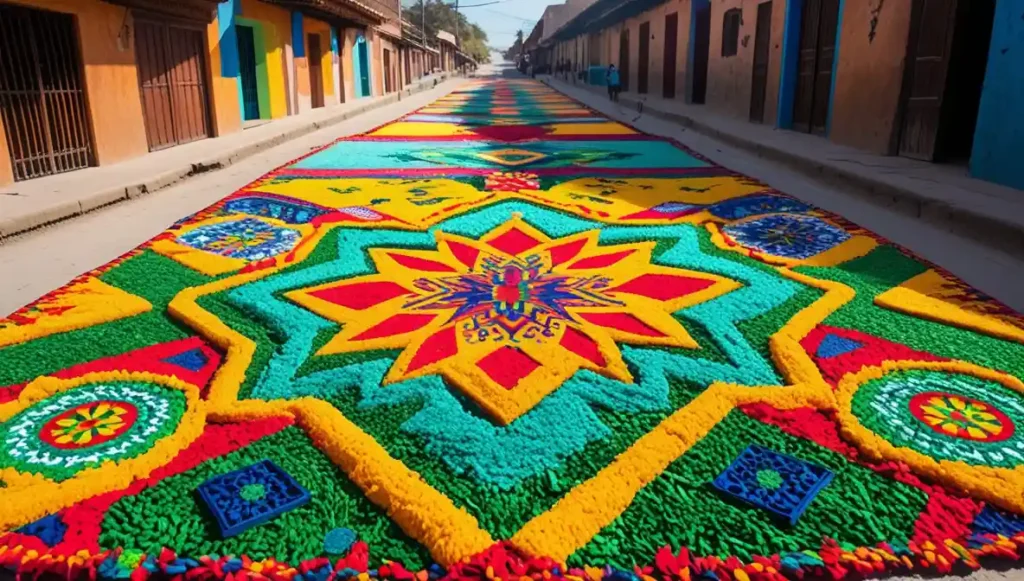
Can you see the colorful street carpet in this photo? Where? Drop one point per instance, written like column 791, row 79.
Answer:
column 505, row 338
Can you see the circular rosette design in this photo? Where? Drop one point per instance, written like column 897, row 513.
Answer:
column 946, row 416
column 88, row 425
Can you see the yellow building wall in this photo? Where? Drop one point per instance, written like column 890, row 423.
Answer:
column 323, row 30
column 277, row 32
column 111, row 81
column 225, row 114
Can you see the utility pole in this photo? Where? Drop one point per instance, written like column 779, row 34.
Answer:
column 423, row 29
column 456, row 23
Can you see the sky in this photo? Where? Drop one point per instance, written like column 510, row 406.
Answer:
column 502, row 19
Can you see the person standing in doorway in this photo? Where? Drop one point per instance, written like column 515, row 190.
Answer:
column 614, row 83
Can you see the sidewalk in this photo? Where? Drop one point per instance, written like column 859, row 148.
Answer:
column 941, row 194
column 33, row 203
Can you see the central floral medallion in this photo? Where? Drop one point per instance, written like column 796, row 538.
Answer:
column 508, row 318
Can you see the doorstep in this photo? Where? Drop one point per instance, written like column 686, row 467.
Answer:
column 940, row 194
column 33, row 203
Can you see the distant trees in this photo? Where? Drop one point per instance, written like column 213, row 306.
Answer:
column 441, row 16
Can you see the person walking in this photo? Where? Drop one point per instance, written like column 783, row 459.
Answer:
column 614, row 83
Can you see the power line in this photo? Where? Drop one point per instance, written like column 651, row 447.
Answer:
column 485, row 4
column 510, row 15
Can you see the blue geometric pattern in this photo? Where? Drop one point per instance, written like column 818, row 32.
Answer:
column 777, row 483
column 753, row 205
column 796, row 237
column 996, row 522
column 676, row 208
column 247, row 239
column 193, row 359
column 251, row 496
column 290, row 212
column 834, row 346
column 50, row 529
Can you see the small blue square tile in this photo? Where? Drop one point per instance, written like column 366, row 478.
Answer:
column 779, row 484
column 251, row 496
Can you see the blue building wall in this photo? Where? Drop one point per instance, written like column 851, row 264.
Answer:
column 999, row 138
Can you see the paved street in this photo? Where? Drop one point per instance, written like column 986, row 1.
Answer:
column 478, row 328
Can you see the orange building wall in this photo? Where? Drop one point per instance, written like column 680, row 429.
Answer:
column 111, row 81
column 6, row 171
column 730, row 79
column 387, row 44
column 869, row 76
column 226, row 116
column 323, row 30
column 377, row 62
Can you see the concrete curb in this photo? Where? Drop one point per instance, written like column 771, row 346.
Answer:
column 958, row 218
column 90, row 201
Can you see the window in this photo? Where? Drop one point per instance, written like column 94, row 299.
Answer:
column 731, row 31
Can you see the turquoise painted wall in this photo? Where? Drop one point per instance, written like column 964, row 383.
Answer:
column 999, row 137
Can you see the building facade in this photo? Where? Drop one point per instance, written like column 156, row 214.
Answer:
column 926, row 80
column 95, row 82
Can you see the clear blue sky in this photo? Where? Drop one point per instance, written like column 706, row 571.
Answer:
column 501, row 21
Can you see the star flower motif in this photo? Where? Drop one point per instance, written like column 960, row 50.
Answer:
column 89, row 424
column 511, row 316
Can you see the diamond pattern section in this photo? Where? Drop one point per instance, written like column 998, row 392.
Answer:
column 663, row 287
column 361, row 296
column 507, row 366
column 514, row 241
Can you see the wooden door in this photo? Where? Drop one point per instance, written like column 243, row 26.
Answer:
column 247, row 72
column 624, row 59
column 408, row 67
column 340, row 33
column 828, row 32
column 172, row 82
column 931, row 37
column 644, row 57
column 762, row 46
column 818, row 32
column 387, row 71
column 42, row 100
column 316, row 71
column 701, row 52
column 671, row 44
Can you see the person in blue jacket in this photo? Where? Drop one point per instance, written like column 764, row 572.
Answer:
column 614, row 83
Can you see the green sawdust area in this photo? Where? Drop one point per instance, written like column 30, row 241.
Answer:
column 885, row 268
column 148, row 275
column 680, row 509
column 503, row 512
column 266, row 339
column 757, row 330
column 500, row 512
column 171, row 514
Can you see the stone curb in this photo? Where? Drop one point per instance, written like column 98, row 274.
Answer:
column 89, row 201
column 957, row 218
